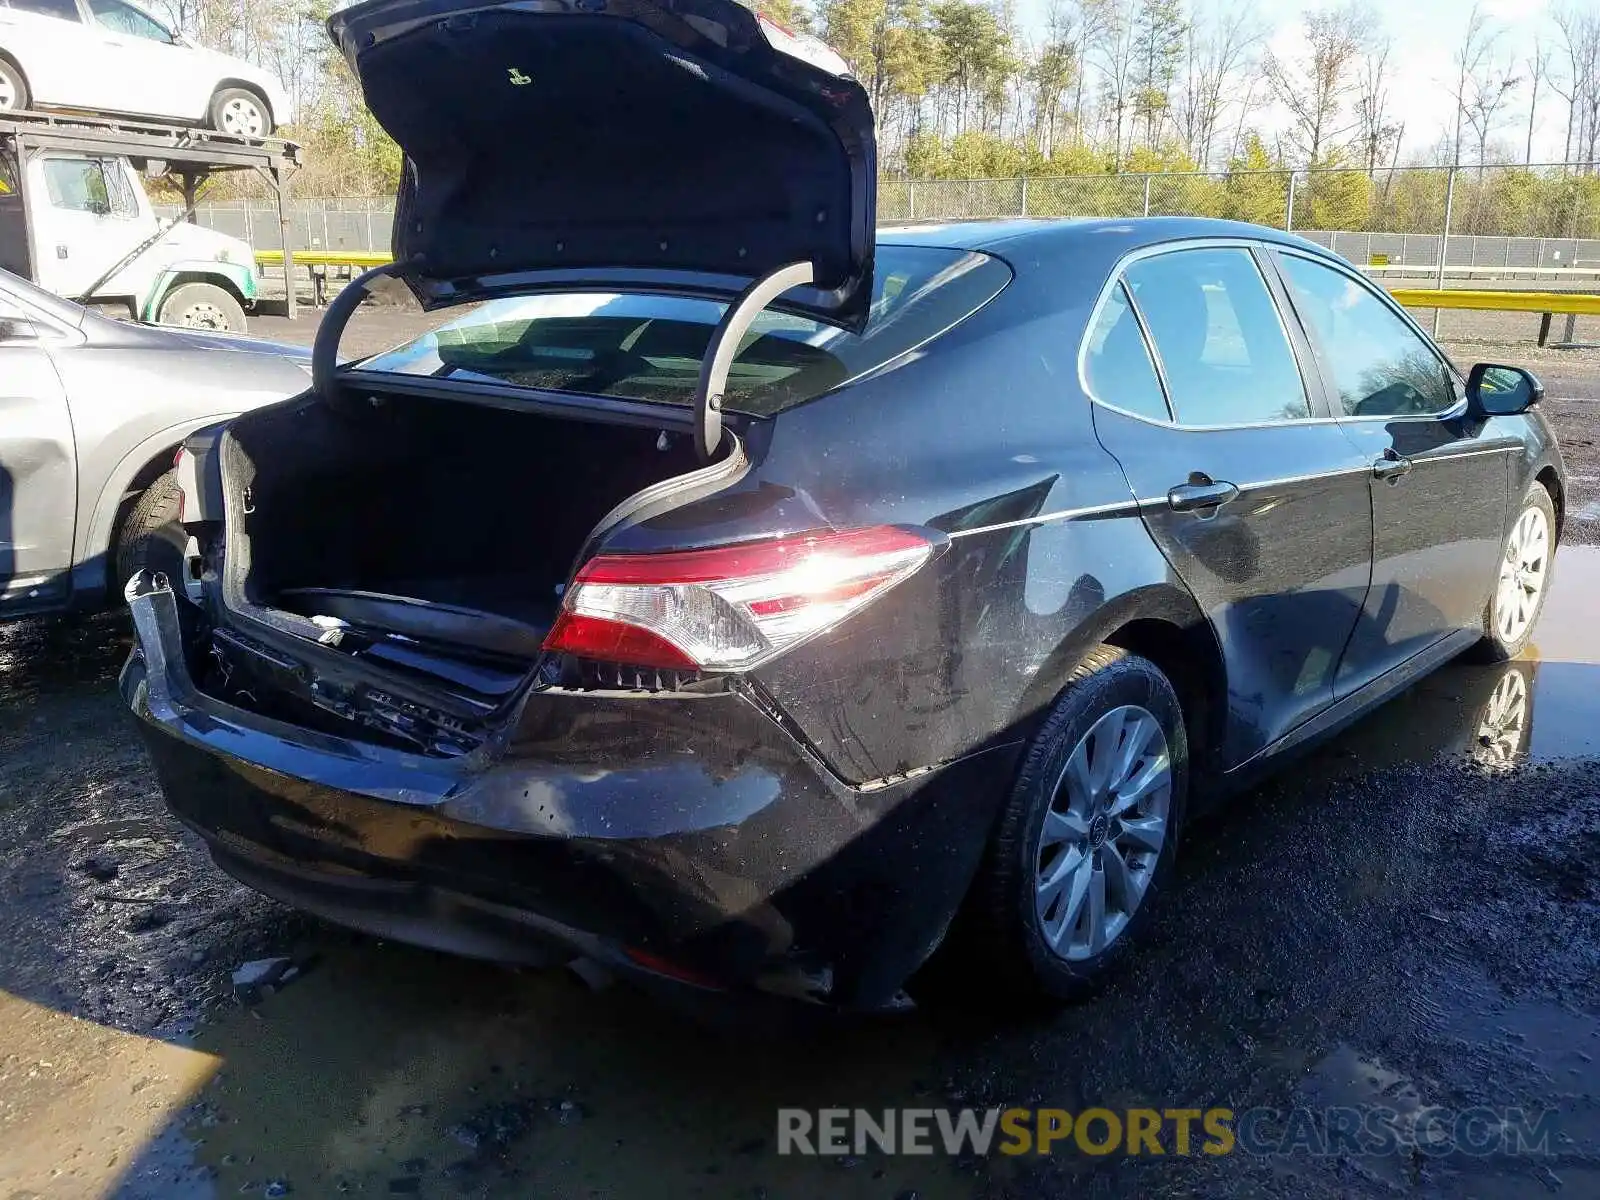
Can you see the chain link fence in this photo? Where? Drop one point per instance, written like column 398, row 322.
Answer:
column 1535, row 223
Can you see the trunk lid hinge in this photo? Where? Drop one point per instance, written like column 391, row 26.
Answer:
column 724, row 346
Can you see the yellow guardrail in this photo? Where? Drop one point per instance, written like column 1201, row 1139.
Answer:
column 325, row 258
column 1579, row 303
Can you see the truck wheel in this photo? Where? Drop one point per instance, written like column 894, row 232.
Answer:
column 202, row 306
column 237, row 111
column 13, row 87
column 151, row 537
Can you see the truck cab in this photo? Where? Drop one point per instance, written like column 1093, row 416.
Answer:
column 69, row 216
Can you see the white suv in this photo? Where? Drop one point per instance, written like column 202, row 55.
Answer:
column 109, row 56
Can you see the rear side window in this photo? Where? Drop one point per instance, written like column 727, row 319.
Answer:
column 124, row 18
column 645, row 346
column 1218, row 334
column 66, row 10
column 1118, row 361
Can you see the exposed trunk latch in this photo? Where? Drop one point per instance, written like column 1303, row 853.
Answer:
column 724, row 346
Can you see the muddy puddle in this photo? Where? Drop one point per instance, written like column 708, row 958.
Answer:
column 1410, row 911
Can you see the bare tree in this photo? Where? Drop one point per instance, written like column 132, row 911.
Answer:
column 1094, row 19
column 1580, row 32
column 1538, row 72
column 1113, row 57
column 1316, row 85
column 1376, row 135
column 1220, row 49
column 1489, row 90
column 1469, row 59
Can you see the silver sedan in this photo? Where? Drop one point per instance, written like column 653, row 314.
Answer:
column 92, row 412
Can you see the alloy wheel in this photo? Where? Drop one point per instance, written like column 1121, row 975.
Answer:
column 243, row 116
column 8, row 92
column 1103, row 833
column 1503, row 726
column 1522, row 575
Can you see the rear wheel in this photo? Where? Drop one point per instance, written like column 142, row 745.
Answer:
column 242, row 112
column 1523, row 578
column 1089, row 833
column 151, row 537
column 202, row 306
column 13, row 87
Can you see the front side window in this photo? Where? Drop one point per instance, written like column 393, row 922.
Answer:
column 124, row 18
column 65, row 10
column 648, row 346
column 77, row 185
column 1378, row 363
column 1217, row 332
column 1118, row 362
column 89, row 185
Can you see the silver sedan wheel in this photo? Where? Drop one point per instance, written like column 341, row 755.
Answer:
column 1522, row 575
column 1503, row 727
column 10, row 94
column 243, row 116
column 1103, row 833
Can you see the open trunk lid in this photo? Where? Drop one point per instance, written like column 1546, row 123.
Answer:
column 656, row 136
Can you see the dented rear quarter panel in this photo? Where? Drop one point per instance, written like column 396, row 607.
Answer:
column 985, row 436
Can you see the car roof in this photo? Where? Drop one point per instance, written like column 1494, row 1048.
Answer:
column 1020, row 237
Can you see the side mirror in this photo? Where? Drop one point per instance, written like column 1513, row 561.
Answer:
column 1496, row 391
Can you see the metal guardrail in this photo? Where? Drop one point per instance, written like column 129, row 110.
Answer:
column 1577, row 303
column 325, row 258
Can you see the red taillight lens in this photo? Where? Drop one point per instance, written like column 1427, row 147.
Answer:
column 732, row 607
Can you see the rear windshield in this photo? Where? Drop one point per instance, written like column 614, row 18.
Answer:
column 649, row 347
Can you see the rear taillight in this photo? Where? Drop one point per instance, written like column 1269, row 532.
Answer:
column 732, row 607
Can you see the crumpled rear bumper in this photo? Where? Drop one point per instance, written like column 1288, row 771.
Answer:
column 688, row 837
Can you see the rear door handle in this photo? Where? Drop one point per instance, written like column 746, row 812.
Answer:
column 1391, row 467
column 1201, row 494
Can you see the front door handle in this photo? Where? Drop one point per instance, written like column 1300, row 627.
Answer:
column 1391, row 467
column 1201, row 494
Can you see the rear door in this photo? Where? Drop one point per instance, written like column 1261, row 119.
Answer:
column 1438, row 477
column 140, row 69
column 1256, row 497
column 38, row 467
column 50, row 39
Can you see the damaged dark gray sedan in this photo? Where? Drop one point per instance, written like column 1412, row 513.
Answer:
column 762, row 605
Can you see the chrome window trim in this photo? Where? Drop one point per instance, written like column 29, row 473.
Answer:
column 1115, row 277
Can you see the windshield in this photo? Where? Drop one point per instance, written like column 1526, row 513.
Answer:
column 640, row 346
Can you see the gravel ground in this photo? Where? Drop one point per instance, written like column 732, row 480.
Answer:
column 1410, row 916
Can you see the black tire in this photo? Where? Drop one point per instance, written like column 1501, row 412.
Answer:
column 1496, row 646
column 230, row 103
column 202, row 306
column 14, row 92
column 150, row 536
column 998, row 938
